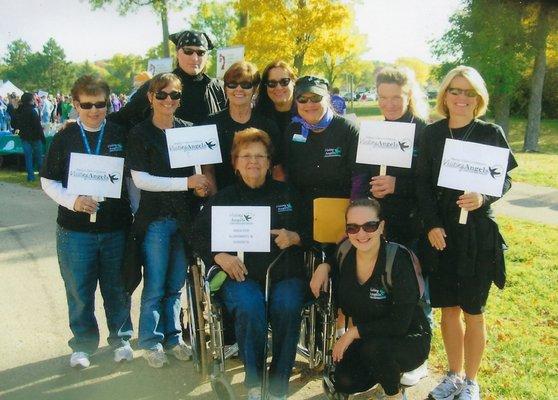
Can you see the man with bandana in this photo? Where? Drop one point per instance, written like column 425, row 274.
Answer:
column 201, row 95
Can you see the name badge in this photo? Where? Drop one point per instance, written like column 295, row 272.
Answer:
column 297, row 137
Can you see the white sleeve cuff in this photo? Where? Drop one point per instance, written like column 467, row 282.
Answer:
column 152, row 183
column 58, row 193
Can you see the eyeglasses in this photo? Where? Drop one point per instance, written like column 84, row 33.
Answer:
column 88, row 106
column 314, row 99
column 255, row 157
column 189, row 52
column 162, row 95
column 466, row 92
column 243, row 85
column 283, row 82
column 369, row 227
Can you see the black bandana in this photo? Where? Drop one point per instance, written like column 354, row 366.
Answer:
column 191, row 38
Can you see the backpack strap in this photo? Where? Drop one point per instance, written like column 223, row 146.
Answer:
column 342, row 250
column 387, row 281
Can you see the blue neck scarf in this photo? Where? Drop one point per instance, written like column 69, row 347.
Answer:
column 307, row 127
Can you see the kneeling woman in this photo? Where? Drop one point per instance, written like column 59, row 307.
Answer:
column 243, row 290
column 390, row 334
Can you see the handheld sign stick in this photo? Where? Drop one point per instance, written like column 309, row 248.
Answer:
column 93, row 217
column 383, row 170
column 463, row 214
column 198, row 169
column 240, row 255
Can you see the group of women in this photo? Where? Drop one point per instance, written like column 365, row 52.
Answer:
column 283, row 152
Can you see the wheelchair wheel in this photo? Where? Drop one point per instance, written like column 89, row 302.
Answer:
column 222, row 387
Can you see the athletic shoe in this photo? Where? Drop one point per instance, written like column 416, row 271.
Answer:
column 79, row 359
column 381, row 395
column 182, row 352
column 123, row 353
column 255, row 393
column 448, row 389
column 216, row 277
column 413, row 377
column 471, row 391
column 155, row 358
column 273, row 397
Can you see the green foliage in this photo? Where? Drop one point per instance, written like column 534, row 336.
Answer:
column 121, row 70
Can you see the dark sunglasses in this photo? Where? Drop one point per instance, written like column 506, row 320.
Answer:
column 88, row 106
column 466, row 92
column 243, row 85
column 314, row 99
column 369, row 227
column 189, row 52
column 174, row 95
column 283, row 82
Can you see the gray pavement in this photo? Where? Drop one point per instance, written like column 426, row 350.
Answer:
column 33, row 342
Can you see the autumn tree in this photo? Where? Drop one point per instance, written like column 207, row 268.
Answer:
column 160, row 7
column 301, row 32
column 421, row 69
column 497, row 47
column 121, row 69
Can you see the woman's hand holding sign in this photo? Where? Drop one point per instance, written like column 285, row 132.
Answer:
column 200, row 184
column 86, row 204
column 382, row 185
column 470, row 201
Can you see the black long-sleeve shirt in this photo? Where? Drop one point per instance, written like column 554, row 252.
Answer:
column 27, row 120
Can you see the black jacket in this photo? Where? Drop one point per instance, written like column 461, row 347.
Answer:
column 27, row 120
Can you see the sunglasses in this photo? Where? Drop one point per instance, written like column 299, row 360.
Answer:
column 88, row 106
column 243, row 85
column 314, row 99
column 283, row 82
column 368, row 227
column 189, row 52
column 174, row 95
column 466, row 92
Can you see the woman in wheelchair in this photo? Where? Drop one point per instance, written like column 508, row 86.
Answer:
column 390, row 334
column 243, row 290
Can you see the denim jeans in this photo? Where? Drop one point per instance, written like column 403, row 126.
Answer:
column 163, row 280
column 85, row 259
column 245, row 301
column 33, row 153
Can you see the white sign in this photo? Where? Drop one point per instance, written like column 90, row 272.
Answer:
column 98, row 176
column 159, row 65
column 194, row 145
column 240, row 228
column 473, row 167
column 386, row 143
column 226, row 57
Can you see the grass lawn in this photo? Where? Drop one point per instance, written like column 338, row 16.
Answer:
column 521, row 358
column 11, row 175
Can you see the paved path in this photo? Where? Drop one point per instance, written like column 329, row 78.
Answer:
column 33, row 350
column 529, row 202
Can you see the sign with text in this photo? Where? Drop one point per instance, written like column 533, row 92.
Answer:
column 241, row 228
column 226, row 57
column 473, row 167
column 92, row 175
column 159, row 65
column 194, row 145
column 386, row 143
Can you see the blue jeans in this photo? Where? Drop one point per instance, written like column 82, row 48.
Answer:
column 164, row 277
column 84, row 259
column 245, row 301
column 33, row 153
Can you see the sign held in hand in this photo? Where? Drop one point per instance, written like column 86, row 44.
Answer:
column 194, row 145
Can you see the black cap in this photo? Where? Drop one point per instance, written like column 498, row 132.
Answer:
column 191, row 38
column 311, row 84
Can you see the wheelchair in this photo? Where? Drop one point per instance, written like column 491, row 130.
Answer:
column 205, row 314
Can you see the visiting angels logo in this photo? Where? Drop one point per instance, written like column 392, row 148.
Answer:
column 96, row 176
column 193, row 146
column 477, row 168
column 386, row 143
column 241, row 218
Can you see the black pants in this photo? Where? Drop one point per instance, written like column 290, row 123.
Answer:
column 380, row 360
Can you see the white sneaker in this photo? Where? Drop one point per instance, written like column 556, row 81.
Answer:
column 413, row 377
column 181, row 352
column 272, row 397
column 123, row 353
column 155, row 358
column 79, row 359
column 471, row 391
column 255, row 393
column 449, row 388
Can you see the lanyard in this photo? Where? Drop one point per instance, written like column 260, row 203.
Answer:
column 99, row 140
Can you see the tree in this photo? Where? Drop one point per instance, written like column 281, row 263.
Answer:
column 540, row 36
column 301, row 32
column 121, row 69
column 56, row 73
column 421, row 69
column 497, row 47
column 160, row 7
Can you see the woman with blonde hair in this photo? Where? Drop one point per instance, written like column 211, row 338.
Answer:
column 464, row 259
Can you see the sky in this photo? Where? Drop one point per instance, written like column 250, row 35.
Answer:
column 394, row 28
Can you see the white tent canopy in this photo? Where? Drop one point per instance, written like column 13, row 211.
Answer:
column 8, row 87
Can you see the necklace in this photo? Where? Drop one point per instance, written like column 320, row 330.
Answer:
column 467, row 132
